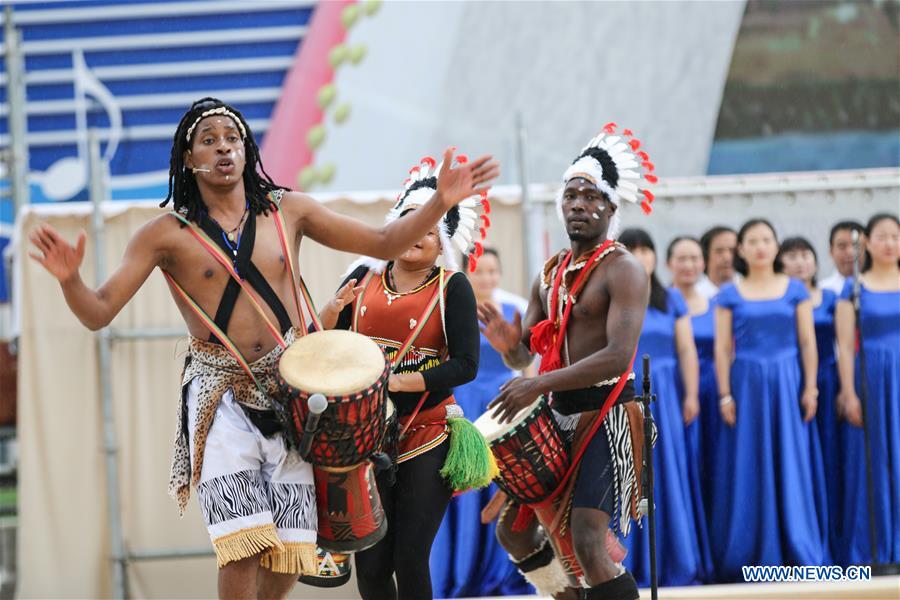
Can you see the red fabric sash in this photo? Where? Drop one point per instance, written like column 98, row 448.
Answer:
column 548, row 335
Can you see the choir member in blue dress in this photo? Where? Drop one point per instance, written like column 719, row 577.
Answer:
column 768, row 491
column 799, row 260
column 879, row 306
column 466, row 558
column 666, row 336
column 684, row 259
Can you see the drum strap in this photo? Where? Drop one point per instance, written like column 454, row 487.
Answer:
column 219, row 255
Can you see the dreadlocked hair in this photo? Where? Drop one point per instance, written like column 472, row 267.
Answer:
column 610, row 171
column 183, row 190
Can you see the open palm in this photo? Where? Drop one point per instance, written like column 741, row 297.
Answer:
column 466, row 179
column 59, row 257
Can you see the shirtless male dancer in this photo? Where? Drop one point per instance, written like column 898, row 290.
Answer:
column 227, row 234
column 583, row 357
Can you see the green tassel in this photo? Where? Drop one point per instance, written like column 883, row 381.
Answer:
column 470, row 463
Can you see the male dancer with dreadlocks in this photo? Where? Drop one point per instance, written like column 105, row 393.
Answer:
column 227, row 252
column 584, row 319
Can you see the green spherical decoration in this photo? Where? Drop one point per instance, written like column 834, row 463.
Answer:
column 342, row 113
column 307, row 177
column 326, row 96
column 357, row 53
column 350, row 15
column 315, row 137
column 338, row 55
column 326, row 173
column 371, row 7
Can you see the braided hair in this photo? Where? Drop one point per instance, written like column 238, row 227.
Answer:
column 183, row 190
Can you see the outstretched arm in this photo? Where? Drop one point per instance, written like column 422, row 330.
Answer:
column 96, row 308
column 350, row 235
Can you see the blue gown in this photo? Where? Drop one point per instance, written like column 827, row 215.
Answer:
column 682, row 554
column 466, row 558
column 703, row 434
column 880, row 317
column 826, row 415
column 769, row 497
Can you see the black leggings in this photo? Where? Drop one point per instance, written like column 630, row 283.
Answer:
column 414, row 507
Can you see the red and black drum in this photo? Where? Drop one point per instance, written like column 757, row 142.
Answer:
column 530, row 452
column 351, row 517
column 351, row 371
column 532, row 456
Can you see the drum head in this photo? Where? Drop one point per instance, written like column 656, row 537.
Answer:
column 492, row 429
column 334, row 363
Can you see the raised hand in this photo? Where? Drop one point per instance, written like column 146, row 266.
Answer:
column 344, row 297
column 455, row 184
column 346, row 294
column 502, row 335
column 56, row 255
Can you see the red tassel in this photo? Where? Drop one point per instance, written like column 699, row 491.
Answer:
column 648, row 194
column 648, row 165
column 543, row 335
column 643, row 155
column 646, row 206
column 479, row 250
column 651, row 178
column 486, row 205
column 429, row 161
column 523, row 518
column 462, row 159
column 627, row 132
column 486, row 220
column 406, row 181
column 415, row 169
column 635, row 144
column 610, row 128
column 483, row 232
column 473, row 263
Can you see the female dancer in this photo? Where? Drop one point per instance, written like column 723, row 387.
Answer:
column 879, row 332
column 769, row 490
column 466, row 559
column 666, row 336
column 424, row 318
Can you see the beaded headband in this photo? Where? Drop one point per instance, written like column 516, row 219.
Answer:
column 216, row 111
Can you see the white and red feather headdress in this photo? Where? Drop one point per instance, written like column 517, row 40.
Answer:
column 463, row 228
column 618, row 167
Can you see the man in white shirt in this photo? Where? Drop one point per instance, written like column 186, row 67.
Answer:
column 718, row 246
column 842, row 254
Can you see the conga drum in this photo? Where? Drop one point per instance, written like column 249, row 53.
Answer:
column 351, row 371
column 351, row 517
column 532, row 456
